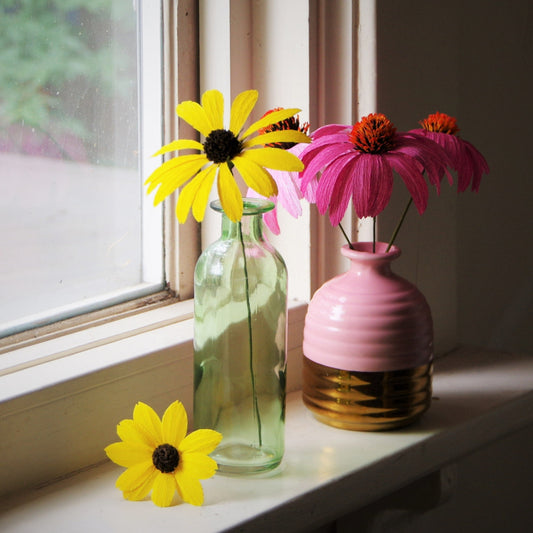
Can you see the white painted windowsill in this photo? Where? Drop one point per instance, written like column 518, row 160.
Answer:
column 479, row 397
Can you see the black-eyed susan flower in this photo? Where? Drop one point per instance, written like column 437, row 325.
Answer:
column 221, row 151
column 468, row 162
column 159, row 457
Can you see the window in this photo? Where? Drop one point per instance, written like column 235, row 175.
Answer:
column 80, row 110
column 78, row 385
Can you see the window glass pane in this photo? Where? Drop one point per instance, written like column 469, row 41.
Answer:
column 71, row 208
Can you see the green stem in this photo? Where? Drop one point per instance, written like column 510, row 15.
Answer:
column 250, row 340
column 395, row 234
column 346, row 237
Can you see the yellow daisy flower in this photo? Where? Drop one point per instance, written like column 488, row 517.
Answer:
column 159, row 457
column 222, row 150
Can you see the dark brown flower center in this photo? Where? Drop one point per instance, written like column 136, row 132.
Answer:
column 440, row 123
column 373, row 134
column 291, row 123
column 221, row 146
column 166, row 458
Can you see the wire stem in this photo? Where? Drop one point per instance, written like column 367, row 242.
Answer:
column 395, row 233
column 346, row 237
column 250, row 340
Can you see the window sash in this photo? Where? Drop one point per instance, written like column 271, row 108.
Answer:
column 150, row 137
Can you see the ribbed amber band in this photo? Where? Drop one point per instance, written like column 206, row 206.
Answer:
column 366, row 401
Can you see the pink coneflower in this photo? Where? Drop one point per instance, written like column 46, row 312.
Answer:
column 358, row 162
column 289, row 193
column 466, row 159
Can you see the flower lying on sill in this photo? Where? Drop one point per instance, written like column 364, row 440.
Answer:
column 159, row 457
column 221, row 151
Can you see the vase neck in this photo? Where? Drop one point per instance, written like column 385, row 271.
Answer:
column 250, row 226
column 364, row 259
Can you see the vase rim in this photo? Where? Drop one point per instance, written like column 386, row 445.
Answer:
column 363, row 250
column 250, row 206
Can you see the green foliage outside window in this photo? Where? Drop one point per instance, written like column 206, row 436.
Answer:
column 66, row 66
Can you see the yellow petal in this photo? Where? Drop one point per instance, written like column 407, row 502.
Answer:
column 174, row 424
column 163, row 489
column 155, row 177
column 201, row 197
column 128, row 453
column 146, row 419
column 229, row 194
column 129, row 432
column 180, row 144
column 143, row 489
column 169, row 167
column 195, row 115
column 213, row 103
column 188, row 194
column 283, row 136
column 189, row 488
column 170, row 182
column 240, row 110
column 200, row 441
column 274, row 158
column 271, row 118
column 137, row 480
column 255, row 176
column 198, row 465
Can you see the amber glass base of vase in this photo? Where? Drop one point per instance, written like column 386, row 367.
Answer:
column 366, row 401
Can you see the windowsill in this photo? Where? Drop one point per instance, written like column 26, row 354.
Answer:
column 480, row 397
column 68, row 393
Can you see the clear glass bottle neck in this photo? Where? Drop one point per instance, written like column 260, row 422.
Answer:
column 250, row 226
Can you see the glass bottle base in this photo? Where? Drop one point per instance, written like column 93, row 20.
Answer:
column 366, row 401
column 239, row 458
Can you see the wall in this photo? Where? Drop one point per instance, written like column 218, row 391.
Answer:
column 495, row 257
column 470, row 254
column 463, row 496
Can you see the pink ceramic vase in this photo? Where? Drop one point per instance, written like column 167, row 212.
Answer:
column 368, row 345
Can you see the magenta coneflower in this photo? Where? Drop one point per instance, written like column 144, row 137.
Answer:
column 358, row 162
column 468, row 162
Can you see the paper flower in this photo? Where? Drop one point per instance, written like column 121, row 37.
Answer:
column 221, row 151
column 288, row 183
column 159, row 457
column 465, row 158
column 357, row 163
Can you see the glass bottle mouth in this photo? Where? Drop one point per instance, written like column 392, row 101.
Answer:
column 251, row 206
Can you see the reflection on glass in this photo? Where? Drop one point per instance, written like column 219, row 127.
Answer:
column 70, row 208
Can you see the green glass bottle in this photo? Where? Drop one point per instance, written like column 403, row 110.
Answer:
column 240, row 316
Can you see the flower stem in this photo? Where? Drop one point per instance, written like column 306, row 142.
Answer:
column 250, row 340
column 395, row 234
column 346, row 237
column 374, row 219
